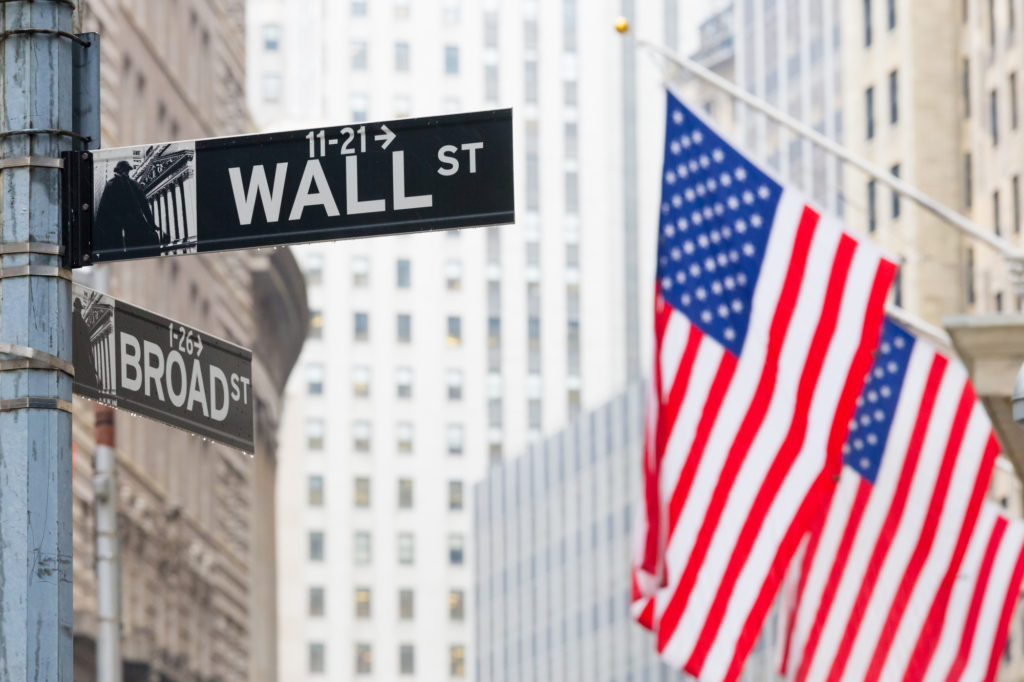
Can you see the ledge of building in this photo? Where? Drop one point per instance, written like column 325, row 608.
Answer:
column 992, row 348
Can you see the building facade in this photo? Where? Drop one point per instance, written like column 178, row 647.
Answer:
column 436, row 355
column 198, row 586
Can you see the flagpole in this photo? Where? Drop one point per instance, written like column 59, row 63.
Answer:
column 1010, row 251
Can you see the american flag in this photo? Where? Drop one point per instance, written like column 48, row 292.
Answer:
column 766, row 313
column 875, row 579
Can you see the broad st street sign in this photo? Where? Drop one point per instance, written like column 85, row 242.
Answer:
column 134, row 360
column 391, row 177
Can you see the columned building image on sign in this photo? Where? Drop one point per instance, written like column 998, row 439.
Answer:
column 167, row 174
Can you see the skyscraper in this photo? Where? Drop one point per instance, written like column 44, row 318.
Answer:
column 435, row 354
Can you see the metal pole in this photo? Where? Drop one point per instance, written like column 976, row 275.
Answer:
column 108, row 551
column 961, row 222
column 35, row 346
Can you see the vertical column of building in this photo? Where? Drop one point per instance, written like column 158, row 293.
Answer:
column 532, row 226
column 570, row 94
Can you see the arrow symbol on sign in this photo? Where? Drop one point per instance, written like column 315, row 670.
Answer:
column 387, row 136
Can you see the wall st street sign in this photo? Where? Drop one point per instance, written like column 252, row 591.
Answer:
column 191, row 196
column 132, row 359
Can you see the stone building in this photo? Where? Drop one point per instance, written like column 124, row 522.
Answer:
column 196, row 519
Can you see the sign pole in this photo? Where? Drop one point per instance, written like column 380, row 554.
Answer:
column 35, row 344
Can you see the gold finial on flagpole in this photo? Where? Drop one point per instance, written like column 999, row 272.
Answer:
column 622, row 25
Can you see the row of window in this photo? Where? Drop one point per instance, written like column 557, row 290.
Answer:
column 362, row 554
column 359, row 55
column 362, row 436
column 869, row 104
column 406, row 604
column 403, row 271
column 403, row 328
column 362, row 493
column 406, row 659
column 890, row 19
column 451, row 10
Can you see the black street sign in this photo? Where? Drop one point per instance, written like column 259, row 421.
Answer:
column 391, row 177
column 134, row 360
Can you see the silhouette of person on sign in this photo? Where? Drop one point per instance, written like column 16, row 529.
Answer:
column 81, row 348
column 124, row 220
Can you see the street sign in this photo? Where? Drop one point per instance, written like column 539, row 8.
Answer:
column 132, row 359
column 390, row 177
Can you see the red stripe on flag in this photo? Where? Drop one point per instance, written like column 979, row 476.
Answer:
column 860, row 502
column 1009, row 604
column 752, row 626
column 892, row 520
column 928, row 639
column 787, row 454
column 814, row 538
column 927, row 537
column 977, row 598
column 748, row 429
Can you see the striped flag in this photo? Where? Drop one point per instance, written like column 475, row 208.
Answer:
column 876, row 576
column 766, row 313
column 978, row 608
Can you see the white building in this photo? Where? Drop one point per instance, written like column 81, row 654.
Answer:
column 435, row 354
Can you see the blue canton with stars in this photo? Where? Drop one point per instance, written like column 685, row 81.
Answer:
column 716, row 213
column 876, row 405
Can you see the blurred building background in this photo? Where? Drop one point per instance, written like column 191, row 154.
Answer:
column 196, row 519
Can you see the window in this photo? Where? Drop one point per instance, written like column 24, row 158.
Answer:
column 569, row 25
column 451, row 60
column 533, row 408
column 456, row 546
column 456, row 605
column 453, row 378
column 1015, row 188
column 530, row 82
column 359, row 52
column 402, row 9
column 406, row 659
column 406, row 605
column 403, row 382
column 1013, row 101
column 361, row 326
column 895, row 170
column 454, row 438
column 969, row 272
column 315, row 490
column 315, row 434
column 490, row 28
column 359, row 105
column 406, row 549
column 316, row 602
column 891, row 14
column 570, row 93
column 404, row 327
column 965, row 87
column 571, row 141
column 403, row 273
column 364, row 658
column 405, row 493
column 897, row 286
column 450, row 12
column 360, row 271
column 491, row 82
column 316, row 545
column 530, row 34
column 364, row 605
column 363, row 553
column 999, row 302
column 894, row 109
column 313, row 267
column 993, row 99
column 871, row 210
column 272, row 85
column 572, row 192
column 494, row 454
column 867, row 23
column 995, row 212
column 315, row 378
column 454, row 495
column 453, row 275
column 869, row 112
column 272, row 37
column 358, row 8
column 316, row 657
column 454, row 337
column 992, row 23
column 362, row 492
column 361, row 381
column 403, row 438
column 316, row 323
column 361, row 432
column 494, row 413
column 457, row 660
column 402, row 57
column 968, row 184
